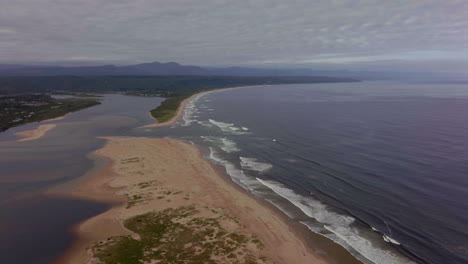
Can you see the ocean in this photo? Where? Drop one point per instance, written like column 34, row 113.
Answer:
column 380, row 168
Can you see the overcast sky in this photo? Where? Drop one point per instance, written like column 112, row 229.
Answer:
column 426, row 34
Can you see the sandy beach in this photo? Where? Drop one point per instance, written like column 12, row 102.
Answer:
column 34, row 134
column 146, row 175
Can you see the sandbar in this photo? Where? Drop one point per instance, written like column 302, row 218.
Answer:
column 34, row 134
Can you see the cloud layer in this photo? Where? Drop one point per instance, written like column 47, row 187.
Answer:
column 222, row 32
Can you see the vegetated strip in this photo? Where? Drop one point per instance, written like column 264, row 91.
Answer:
column 168, row 108
column 26, row 108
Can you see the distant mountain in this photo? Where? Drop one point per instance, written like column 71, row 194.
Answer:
column 173, row 68
column 154, row 68
column 170, row 68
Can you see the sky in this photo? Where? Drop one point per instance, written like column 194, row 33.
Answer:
column 328, row 34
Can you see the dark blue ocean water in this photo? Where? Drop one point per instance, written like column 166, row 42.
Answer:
column 380, row 168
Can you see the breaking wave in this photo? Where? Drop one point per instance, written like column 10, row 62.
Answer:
column 340, row 226
column 254, row 164
column 190, row 110
column 390, row 240
column 228, row 127
column 224, row 143
column 237, row 175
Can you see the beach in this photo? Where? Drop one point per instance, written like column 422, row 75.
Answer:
column 146, row 175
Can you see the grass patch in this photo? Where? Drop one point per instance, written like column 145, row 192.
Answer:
column 134, row 199
column 143, row 185
column 175, row 236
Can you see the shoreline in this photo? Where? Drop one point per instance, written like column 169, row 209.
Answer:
column 196, row 178
column 56, row 118
column 34, row 134
column 181, row 107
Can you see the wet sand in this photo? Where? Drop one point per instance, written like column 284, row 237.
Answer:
column 170, row 166
column 34, row 134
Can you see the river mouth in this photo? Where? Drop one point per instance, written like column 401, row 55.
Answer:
column 38, row 213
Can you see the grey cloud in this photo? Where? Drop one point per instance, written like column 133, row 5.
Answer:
column 222, row 32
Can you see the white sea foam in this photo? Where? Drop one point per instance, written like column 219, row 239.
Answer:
column 236, row 174
column 338, row 224
column 224, row 143
column 390, row 240
column 314, row 228
column 229, row 128
column 254, row 164
column 190, row 111
column 245, row 128
column 229, row 145
column 226, row 127
column 205, row 123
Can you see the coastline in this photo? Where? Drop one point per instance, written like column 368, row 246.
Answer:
column 297, row 243
column 181, row 107
column 34, row 134
column 171, row 166
column 56, row 118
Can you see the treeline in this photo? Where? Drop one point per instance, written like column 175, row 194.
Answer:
column 26, row 108
column 163, row 86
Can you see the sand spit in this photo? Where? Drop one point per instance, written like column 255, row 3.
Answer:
column 180, row 109
column 34, row 134
column 152, row 175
